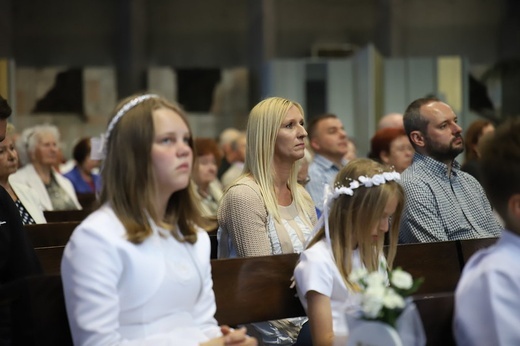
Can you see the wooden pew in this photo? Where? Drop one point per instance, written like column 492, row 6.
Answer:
column 87, row 200
column 246, row 290
column 255, row 289
column 50, row 234
column 258, row 289
column 436, row 311
column 470, row 246
column 50, row 258
column 438, row 263
column 66, row 215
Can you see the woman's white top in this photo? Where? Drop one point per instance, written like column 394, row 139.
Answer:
column 158, row 292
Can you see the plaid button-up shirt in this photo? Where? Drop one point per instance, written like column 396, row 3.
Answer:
column 440, row 207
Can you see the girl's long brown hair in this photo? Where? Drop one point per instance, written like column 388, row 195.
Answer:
column 129, row 184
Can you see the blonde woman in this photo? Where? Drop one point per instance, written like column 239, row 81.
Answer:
column 265, row 211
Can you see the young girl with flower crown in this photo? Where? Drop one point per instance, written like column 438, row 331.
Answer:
column 365, row 202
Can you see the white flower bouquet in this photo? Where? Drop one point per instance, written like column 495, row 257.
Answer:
column 381, row 299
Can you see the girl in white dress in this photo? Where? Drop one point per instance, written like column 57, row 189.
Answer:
column 365, row 203
column 137, row 270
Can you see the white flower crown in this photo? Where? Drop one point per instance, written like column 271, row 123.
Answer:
column 331, row 194
column 375, row 180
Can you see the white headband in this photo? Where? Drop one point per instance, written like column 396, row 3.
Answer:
column 98, row 144
column 331, row 194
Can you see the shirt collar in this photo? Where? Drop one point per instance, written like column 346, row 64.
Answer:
column 435, row 166
column 326, row 163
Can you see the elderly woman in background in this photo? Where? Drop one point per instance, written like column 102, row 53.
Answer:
column 265, row 211
column 55, row 191
column 81, row 176
column 208, row 188
column 27, row 202
column 392, row 147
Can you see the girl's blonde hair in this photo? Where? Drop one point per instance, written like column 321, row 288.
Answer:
column 264, row 122
column 129, row 183
column 352, row 218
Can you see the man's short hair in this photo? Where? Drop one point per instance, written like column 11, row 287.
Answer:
column 500, row 164
column 5, row 109
column 313, row 123
column 413, row 119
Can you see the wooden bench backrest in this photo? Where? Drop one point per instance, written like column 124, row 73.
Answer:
column 436, row 311
column 258, row 288
column 470, row 246
column 246, row 290
column 66, row 215
column 50, row 258
column 87, row 200
column 255, row 289
column 438, row 263
column 50, row 234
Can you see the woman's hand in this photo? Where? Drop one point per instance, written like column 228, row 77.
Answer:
column 232, row 337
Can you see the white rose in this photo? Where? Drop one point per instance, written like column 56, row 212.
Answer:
column 401, row 279
column 378, row 179
column 373, row 301
column 375, row 279
column 365, row 181
column 392, row 300
column 357, row 274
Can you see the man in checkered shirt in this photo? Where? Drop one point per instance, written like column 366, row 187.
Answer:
column 442, row 202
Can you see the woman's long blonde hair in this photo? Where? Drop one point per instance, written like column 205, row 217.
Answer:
column 352, row 218
column 129, row 183
column 264, row 122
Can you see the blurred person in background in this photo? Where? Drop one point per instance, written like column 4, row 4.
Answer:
column 26, row 200
column 224, row 141
column 392, row 147
column 237, row 157
column 391, row 120
column 208, row 190
column 81, row 176
column 351, row 150
column 55, row 191
column 475, row 132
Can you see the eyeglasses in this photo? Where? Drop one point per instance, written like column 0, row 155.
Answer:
column 305, row 181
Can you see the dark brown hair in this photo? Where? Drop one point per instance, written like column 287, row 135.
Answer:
column 413, row 119
column 313, row 123
column 81, row 150
column 5, row 109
